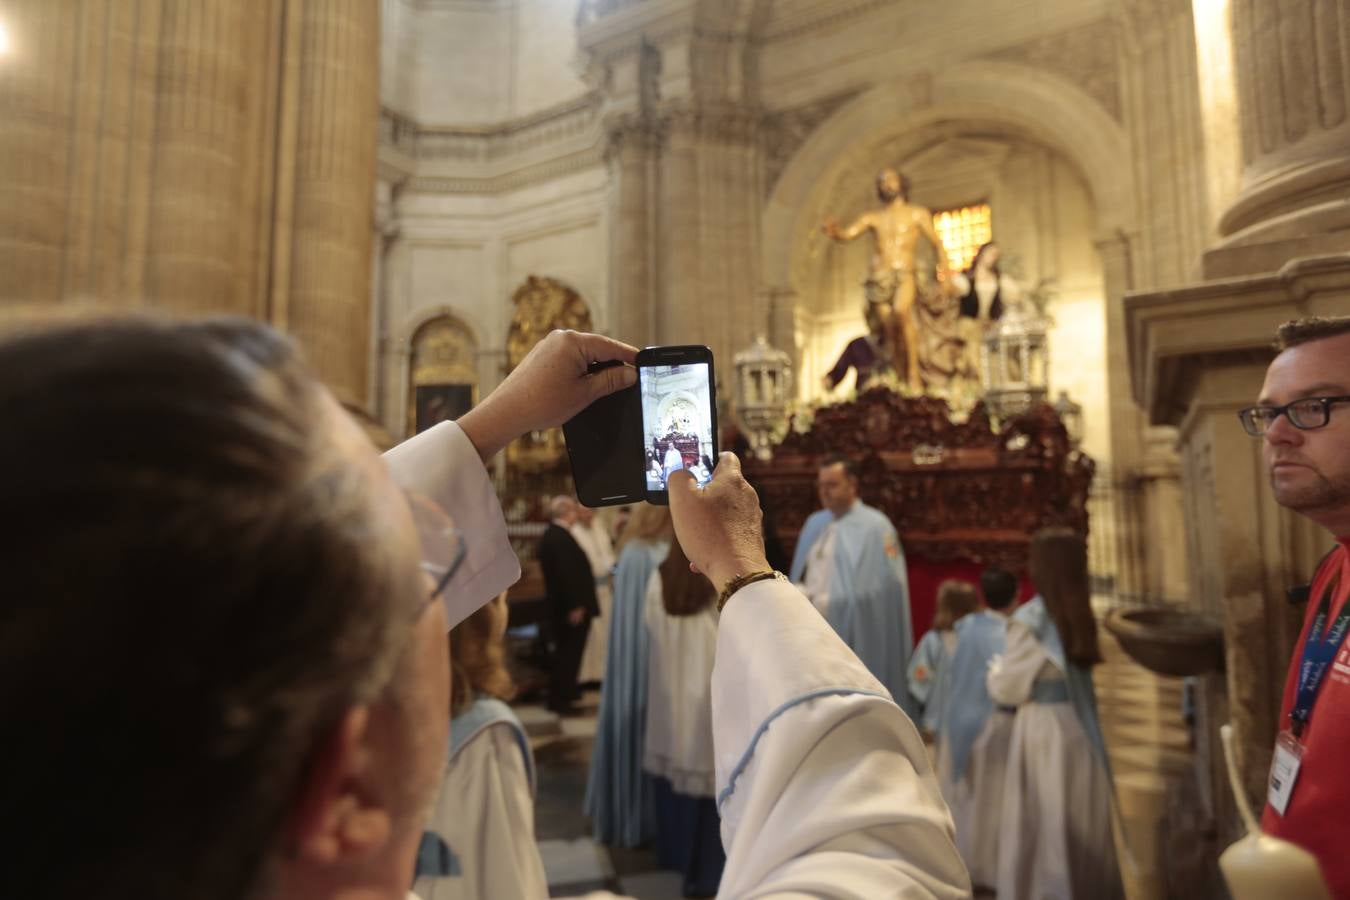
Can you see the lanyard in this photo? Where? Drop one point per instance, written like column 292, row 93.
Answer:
column 1317, row 655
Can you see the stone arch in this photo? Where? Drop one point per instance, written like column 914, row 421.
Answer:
column 438, row 349
column 1013, row 98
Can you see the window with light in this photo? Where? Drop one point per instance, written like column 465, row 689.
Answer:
column 962, row 231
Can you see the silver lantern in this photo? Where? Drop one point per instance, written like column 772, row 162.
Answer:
column 1016, row 361
column 763, row 390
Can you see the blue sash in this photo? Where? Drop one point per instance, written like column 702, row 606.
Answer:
column 1077, row 680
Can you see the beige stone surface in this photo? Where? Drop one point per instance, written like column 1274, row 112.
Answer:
column 195, row 157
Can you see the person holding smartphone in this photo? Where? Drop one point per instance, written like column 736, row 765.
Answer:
column 205, row 527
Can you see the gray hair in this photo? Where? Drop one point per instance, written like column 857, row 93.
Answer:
column 196, row 591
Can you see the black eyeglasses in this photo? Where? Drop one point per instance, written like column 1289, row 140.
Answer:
column 1305, row 414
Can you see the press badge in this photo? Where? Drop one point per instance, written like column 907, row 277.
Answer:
column 1284, row 771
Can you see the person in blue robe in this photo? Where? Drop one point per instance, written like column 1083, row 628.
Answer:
column 976, row 733
column 929, row 669
column 619, row 795
column 850, row 564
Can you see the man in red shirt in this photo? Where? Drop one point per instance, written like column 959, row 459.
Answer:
column 1303, row 416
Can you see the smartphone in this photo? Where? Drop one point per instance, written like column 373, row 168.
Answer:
column 679, row 415
column 604, row 445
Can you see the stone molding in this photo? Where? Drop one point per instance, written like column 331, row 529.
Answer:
column 836, row 14
column 1174, row 335
column 550, row 144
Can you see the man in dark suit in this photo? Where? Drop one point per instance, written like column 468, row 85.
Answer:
column 570, row 588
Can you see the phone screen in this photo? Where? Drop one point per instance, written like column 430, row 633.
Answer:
column 677, row 421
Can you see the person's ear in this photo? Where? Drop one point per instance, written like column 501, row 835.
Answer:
column 337, row 814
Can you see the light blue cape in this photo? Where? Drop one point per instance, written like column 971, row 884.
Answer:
column 928, row 676
column 869, row 592
column 979, row 638
column 436, row 858
column 619, row 795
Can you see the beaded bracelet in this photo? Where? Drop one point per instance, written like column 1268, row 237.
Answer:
column 741, row 581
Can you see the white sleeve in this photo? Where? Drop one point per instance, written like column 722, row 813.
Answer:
column 823, row 784
column 442, row 464
column 1013, row 674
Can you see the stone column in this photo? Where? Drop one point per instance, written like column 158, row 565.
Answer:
column 201, row 156
column 1127, row 421
column 130, row 153
column 1162, row 111
column 708, row 230
column 633, row 145
column 330, row 111
column 1292, row 62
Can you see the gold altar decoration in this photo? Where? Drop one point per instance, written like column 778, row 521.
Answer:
column 541, row 305
column 444, row 355
column 763, row 392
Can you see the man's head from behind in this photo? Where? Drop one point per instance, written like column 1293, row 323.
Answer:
column 563, row 509
column 837, row 484
column 999, row 587
column 215, row 640
column 1309, row 466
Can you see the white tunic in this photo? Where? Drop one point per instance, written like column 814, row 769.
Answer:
column 680, row 652
column 485, row 813
column 823, row 784
column 1055, row 840
column 976, row 799
column 599, row 550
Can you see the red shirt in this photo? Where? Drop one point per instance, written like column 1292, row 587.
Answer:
column 1316, row 817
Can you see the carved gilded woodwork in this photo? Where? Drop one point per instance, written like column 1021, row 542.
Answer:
column 539, row 306
column 955, row 490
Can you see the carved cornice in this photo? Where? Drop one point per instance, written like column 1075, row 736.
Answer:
column 570, row 120
column 716, row 123
column 490, row 159
column 515, row 179
column 835, row 13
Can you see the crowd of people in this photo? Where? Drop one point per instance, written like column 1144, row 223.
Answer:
column 227, row 671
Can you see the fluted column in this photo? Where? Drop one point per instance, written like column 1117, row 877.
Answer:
column 330, row 178
column 633, row 144
column 126, row 158
column 1292, row 61
column 197, row 156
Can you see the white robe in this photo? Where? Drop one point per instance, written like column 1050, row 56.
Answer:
column 680, row 653
column 485, row 814
column 1055, row 840
column 976, row 799
column 823, row 785
column 599, row 550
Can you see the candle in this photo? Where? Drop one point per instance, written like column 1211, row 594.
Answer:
column 1261, row 867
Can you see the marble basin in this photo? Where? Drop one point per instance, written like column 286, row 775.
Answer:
column 1169, row 641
